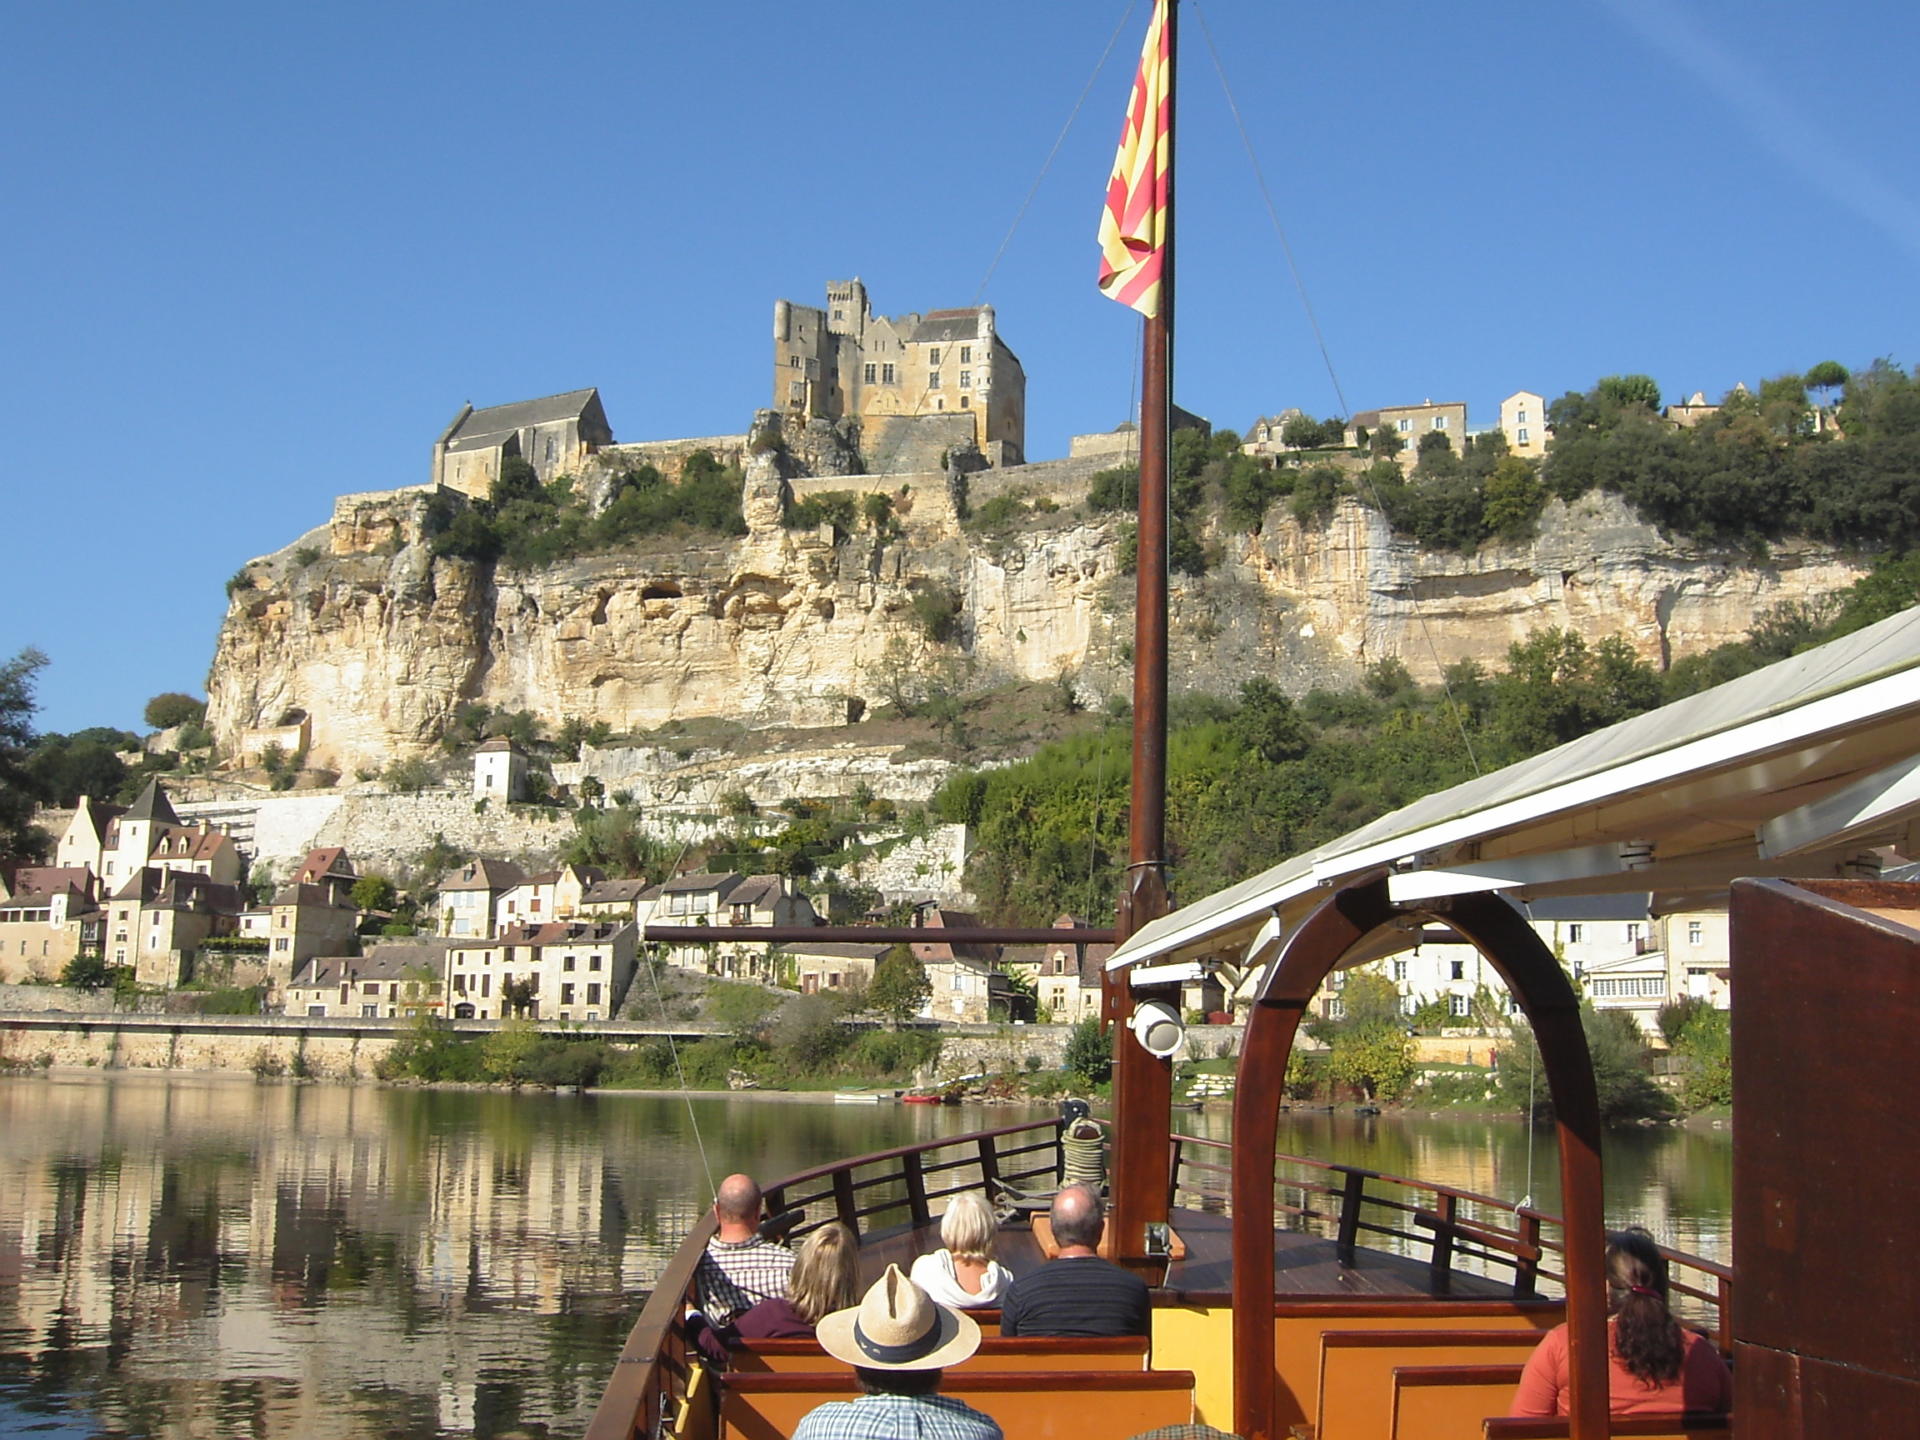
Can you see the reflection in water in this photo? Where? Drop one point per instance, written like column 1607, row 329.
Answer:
column 192, row 1255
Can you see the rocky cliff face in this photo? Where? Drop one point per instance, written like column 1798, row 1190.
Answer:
column 378, row 642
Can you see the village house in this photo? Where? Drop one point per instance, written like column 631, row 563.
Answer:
column 964, row 977
column 48, row 917
column 614, row 899
column 575, row 971
column 327, row 866
column 390, row 981
column 833, row 967
column 499, row 771
column 1066, row 975
column 83, row 843
column 550, row 895
column 467, row 897
column 554, row 435
column 158, row 920
column 306, row 921
column 724, row 899
column 1410, row 422
column 1523, row 419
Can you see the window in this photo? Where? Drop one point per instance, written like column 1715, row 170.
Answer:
column 566, row 962
column 1457, row 969
column 1513, row 1004
column 282, row 943
column 1633, row 930
column 933, row 358
column 369, row 1012
column 1335, row 1007
column 839, row 314
column 797, row 393
column 1439, row 422
column 870, row 372
column 566, row 994
column 1574, row 932
column 593, row 961
column 966, row 402
column 593, row 994
column 793, row 361
column 1457, row 1005
column 933, row 379
column 1520, row 418
column 966, row 379
column 1399, row 969
column 1693, row 932
column 1409, row 1005
column 1404, row 427
column 886, row 374
column 1523, row 435
column 316, row 1010
column 486, row 986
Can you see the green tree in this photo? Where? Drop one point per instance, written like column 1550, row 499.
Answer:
column 87, row 762
column 171, row 708
column 373, row 892
column 742, row 1009
column 19, row 838
column 1622, row 391
column 1826, row 377
column 86, row 971
column 809, row 1033
column 1514, row 497
column 1089, row 1051
column 505, row 1055
column 900, row 985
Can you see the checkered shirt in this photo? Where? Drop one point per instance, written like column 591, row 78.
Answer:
column 897, row 1417
column 736, row 1275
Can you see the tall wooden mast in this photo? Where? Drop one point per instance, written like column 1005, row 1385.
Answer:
column 1142, row 1083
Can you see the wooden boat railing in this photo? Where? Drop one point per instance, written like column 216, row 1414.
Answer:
column 1451, row 1225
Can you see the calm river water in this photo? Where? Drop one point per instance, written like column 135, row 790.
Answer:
column 189, row 1256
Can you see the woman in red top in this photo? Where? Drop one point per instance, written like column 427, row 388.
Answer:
column 1655, row 1365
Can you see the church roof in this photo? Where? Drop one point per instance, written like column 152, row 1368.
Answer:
column 497, row 420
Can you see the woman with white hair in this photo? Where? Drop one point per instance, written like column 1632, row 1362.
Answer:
column 964, row 1274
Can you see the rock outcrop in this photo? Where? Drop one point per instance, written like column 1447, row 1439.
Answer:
column 379, row 642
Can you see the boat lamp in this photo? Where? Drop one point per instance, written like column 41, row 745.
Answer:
column 1156, row 1025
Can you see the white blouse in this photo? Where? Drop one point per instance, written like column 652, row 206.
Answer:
column 934, row 1274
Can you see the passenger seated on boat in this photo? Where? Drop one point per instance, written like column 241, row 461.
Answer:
column 964, row 1273
column 1077, row 1293
column 898, row 1342
column 1656, row 1366
column 825, row 1278
column 740, row 1268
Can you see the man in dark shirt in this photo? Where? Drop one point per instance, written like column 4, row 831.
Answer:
column 1077, row 1293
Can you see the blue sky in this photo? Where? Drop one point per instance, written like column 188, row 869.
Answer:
column 257, row 256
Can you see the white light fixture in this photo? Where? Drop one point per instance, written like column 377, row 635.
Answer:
column 1156, row 1025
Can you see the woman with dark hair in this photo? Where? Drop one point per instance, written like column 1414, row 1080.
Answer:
column 1656, row 1366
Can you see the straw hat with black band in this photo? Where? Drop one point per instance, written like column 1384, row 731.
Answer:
column 897, row 1327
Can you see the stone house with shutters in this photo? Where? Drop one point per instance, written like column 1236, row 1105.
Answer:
column 388, row 982
column 468, row 896
column 964, row 977
column 1410, row 422
column 48, row 917
column 724, row 899
column 158, row 920
column 578, row 971
column 554, row 435
column 550, row 895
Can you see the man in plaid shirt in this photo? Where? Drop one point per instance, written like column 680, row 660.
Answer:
column 740, row 1269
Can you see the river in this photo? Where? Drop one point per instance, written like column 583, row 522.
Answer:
column 189, row 1255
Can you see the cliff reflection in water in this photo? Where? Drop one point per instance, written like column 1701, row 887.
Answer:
column 196, row 1255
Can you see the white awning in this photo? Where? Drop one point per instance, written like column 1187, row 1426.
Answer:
column 1794, row 770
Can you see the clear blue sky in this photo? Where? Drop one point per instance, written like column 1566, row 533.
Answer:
column 255, row 256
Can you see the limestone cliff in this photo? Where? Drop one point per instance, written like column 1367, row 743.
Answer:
column 378, row 642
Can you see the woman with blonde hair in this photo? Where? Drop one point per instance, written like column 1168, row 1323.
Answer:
column 964, row 1274
column 1655, row 1365
column 825, row 1277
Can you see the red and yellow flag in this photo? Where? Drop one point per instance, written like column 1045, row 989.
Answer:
column 1133, row 227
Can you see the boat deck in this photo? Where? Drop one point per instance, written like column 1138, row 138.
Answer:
column 1305, row 1266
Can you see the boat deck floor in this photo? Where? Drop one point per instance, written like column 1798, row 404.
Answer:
column 1304, row 1267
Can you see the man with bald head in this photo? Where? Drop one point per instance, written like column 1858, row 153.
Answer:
column 1077, row 1293
column 740, row 1268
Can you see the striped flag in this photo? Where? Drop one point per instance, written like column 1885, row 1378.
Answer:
column 1133, row 227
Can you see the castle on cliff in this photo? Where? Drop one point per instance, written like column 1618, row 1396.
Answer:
column 844, row 361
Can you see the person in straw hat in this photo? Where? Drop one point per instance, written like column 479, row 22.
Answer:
column 898, row 1341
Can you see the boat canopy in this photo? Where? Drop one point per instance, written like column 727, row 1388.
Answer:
column 1800, row 769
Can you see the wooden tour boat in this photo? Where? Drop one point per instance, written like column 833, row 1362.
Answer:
column 1294, row 1297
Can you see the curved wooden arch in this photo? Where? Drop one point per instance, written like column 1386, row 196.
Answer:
column 1546, row 998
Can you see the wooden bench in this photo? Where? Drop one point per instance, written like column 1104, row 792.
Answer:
column 1356, row 1371
column 1691, row 1426
column 996, row 1352
column 1446, row 1402
column 1028, row 1404
column 1299, row 1324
